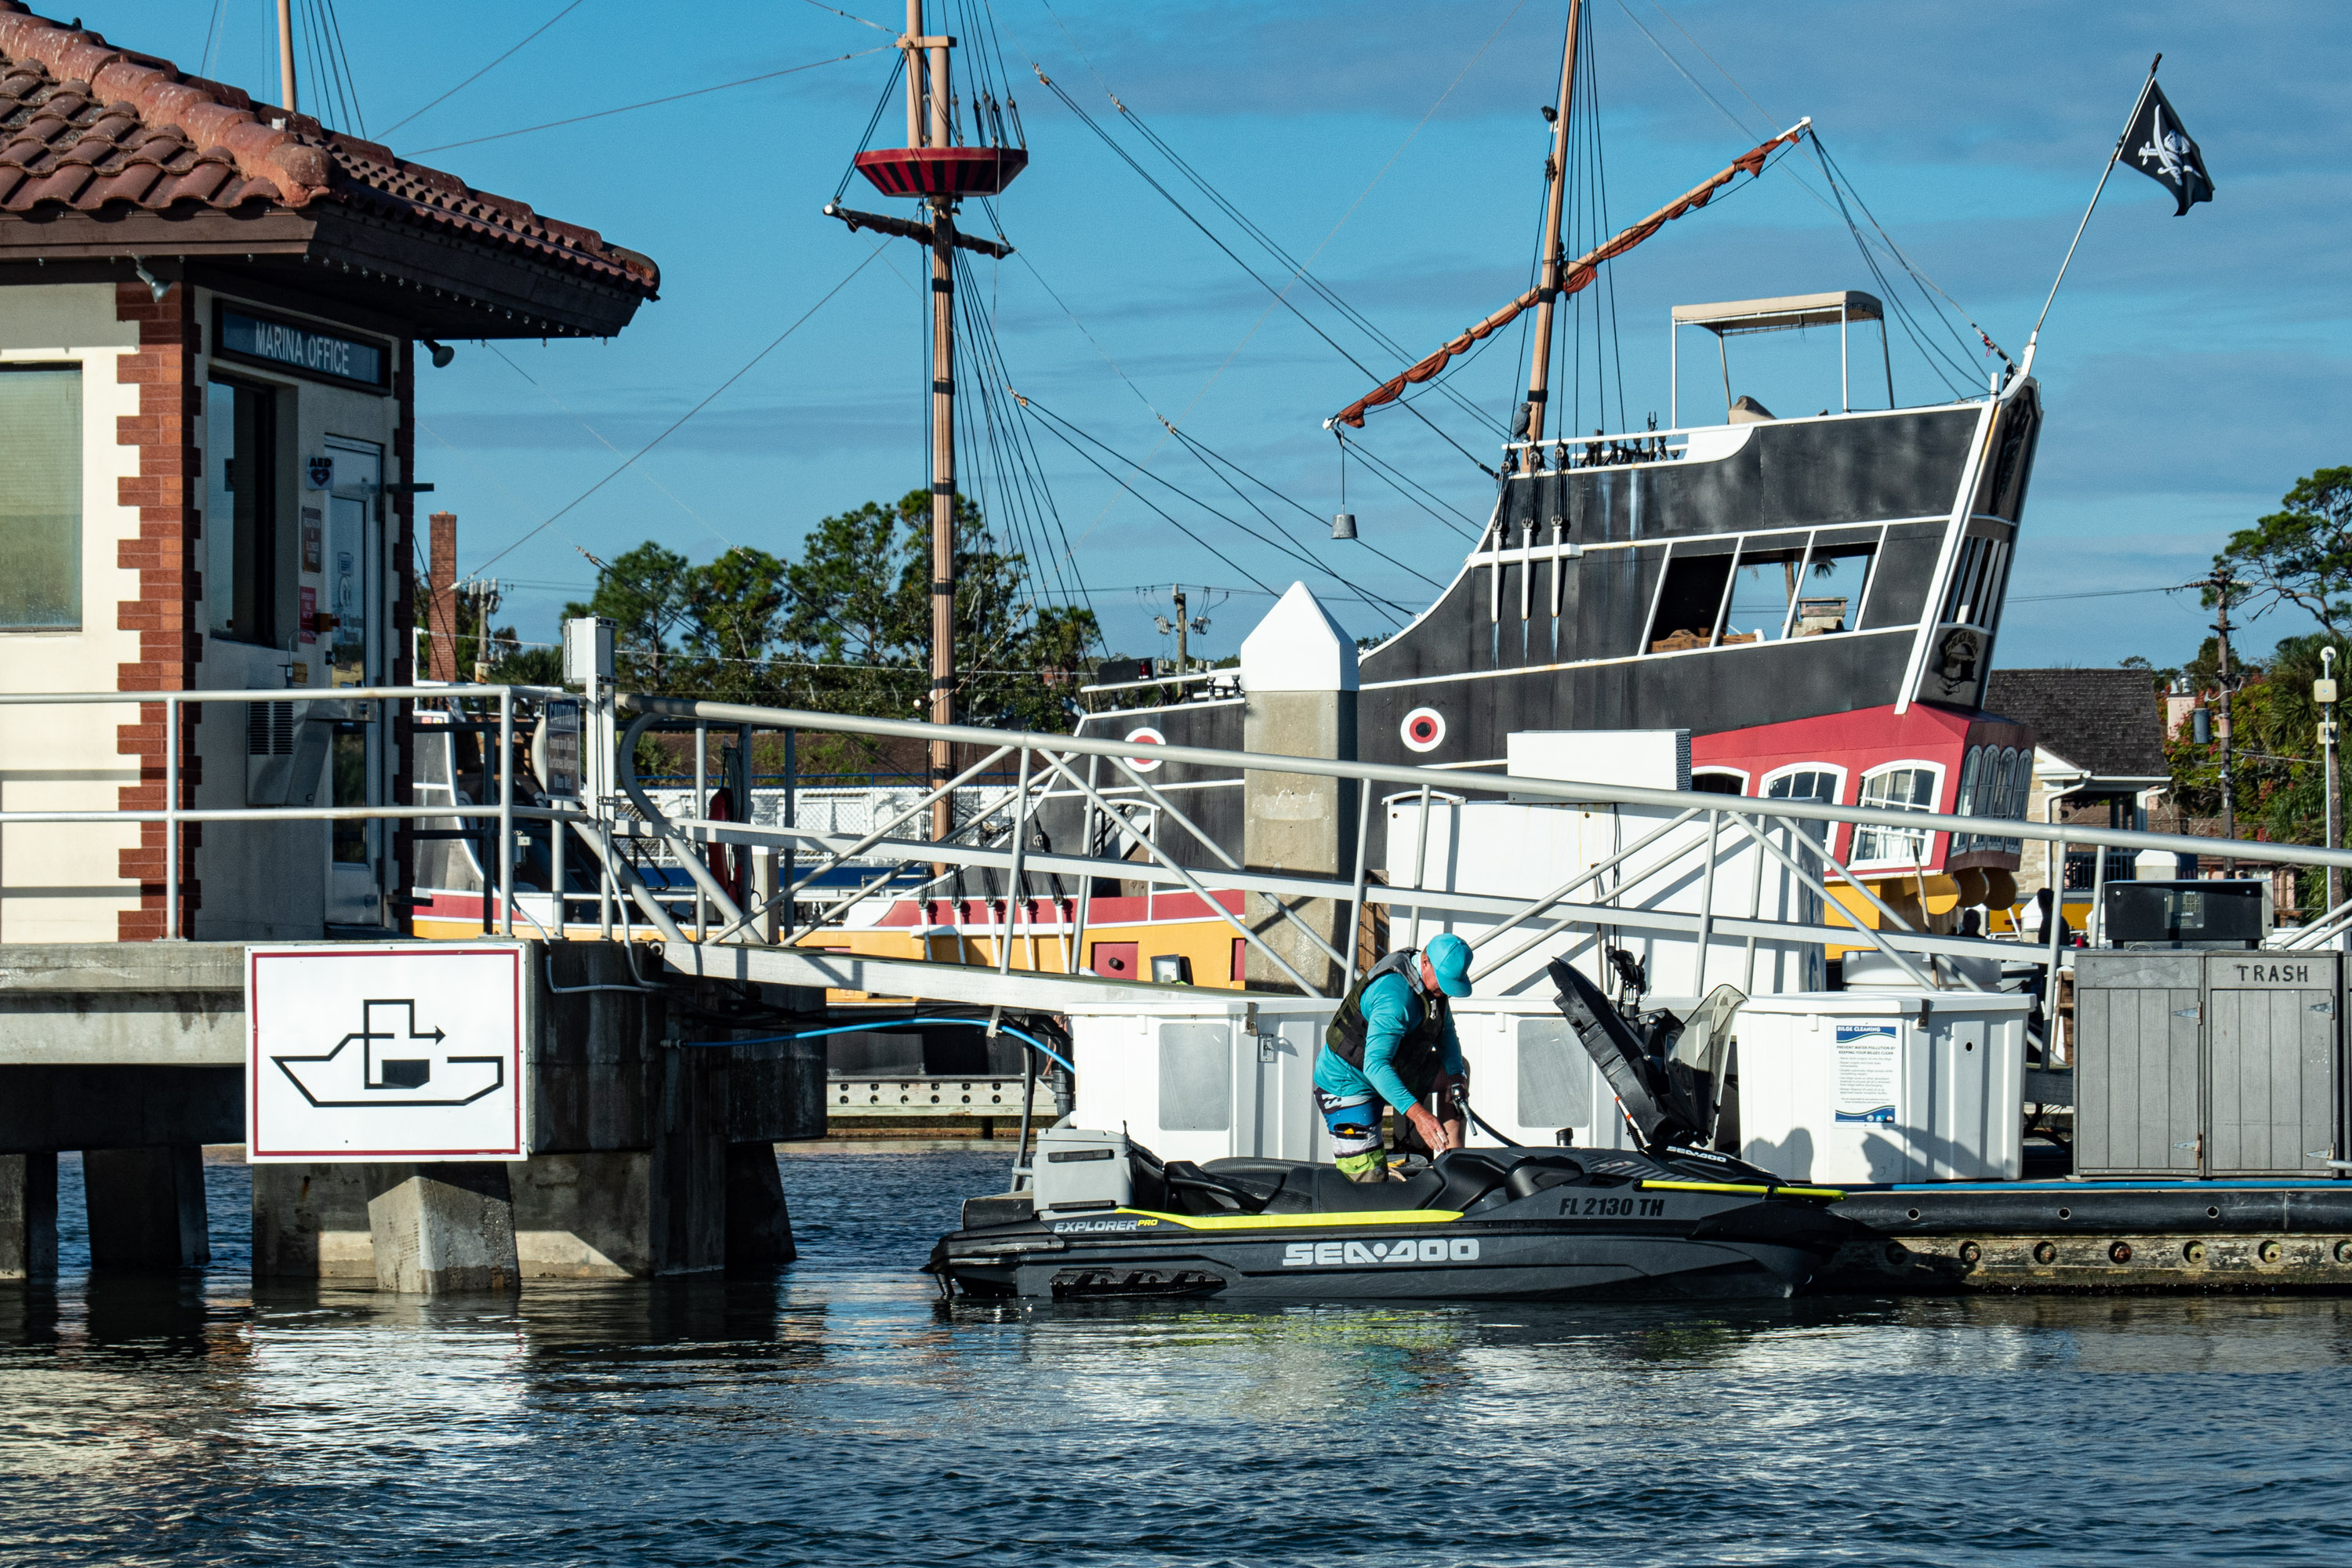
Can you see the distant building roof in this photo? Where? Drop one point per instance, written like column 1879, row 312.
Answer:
column 111, row 137
column 2104, row 722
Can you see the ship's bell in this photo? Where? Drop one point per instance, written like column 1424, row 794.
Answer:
column 1343, row 525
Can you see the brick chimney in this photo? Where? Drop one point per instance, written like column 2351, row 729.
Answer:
column 441, row 601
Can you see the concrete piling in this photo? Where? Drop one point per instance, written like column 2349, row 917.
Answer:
column 758, row 1221
column 311, row 1221
column 442, row 1229
column 28, row 1216
column 146, row 1208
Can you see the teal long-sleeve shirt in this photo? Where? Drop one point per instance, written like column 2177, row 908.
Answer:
column 1392, row 1009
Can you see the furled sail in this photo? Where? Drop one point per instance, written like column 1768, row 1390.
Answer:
column 1578, row 276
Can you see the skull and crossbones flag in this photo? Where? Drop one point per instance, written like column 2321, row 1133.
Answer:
column 2159, row 148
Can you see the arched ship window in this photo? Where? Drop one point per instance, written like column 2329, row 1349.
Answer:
column 1807, row 781
column 1902, row 786
column 1719, row 781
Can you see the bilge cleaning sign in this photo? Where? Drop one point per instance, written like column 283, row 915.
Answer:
column 1866, row 1062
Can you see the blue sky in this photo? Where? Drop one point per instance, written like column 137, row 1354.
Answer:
column 2193, row 367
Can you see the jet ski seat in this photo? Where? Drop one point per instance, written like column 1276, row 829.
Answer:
column 1459, row 1178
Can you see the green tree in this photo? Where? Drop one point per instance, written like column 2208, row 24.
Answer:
column 861, row 610
column 847, row 628
column 2301, row 555
column 736, row 608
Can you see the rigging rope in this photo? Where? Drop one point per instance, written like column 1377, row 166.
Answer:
column 1280, row 296
column 1578, row 276
column 1058, row 425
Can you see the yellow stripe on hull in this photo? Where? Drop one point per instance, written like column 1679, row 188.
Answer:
column 1832, row 1193
column 1298, row 1221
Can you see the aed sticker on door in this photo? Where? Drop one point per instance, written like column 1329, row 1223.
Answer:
column 1412, row 1249
column 393, row 1051
column 1866, row 1062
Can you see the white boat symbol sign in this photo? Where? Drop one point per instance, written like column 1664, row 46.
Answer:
column 388, row 1063
column 387, row 1051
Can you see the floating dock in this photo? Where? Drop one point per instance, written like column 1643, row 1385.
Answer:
column 2072, row 1235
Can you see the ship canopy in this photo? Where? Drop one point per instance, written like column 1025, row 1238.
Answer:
column 1735, row 316
column 1578, row 276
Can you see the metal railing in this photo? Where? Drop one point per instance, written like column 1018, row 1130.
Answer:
column 173, row 815
column 1069, row 771
column 1049, row 766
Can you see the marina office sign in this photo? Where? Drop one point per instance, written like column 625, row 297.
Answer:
column 240, row 334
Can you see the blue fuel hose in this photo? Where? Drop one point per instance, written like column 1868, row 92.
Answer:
column 1020, row 1035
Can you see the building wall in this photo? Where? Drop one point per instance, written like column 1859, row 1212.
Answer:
column 65, row 883
column 145, row 627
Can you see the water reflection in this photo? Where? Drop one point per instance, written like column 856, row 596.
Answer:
column 840, row 1411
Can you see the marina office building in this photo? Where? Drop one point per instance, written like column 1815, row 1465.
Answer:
column 211, row 316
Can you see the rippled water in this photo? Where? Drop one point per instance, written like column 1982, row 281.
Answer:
column 839, row 1413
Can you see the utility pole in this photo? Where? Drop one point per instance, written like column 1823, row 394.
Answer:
column 286, row 54
column 2323, row 691
column 1183, row 654
column 1556, row 174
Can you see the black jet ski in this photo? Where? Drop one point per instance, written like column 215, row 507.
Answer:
column 1105, row 1217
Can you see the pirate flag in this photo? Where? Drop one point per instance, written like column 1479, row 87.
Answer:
column 2157, row 147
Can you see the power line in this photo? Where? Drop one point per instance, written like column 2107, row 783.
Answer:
column 485, row 70
column 652, row 103
column 773, row 343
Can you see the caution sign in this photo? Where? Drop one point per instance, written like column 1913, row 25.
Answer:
column 398, row 1051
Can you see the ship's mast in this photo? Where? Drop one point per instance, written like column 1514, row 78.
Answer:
column 1556, row 172
column 928, row 103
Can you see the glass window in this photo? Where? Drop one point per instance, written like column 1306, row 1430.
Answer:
column 2020, row 791
column 1718, row 782
column 1805, row 784
column 1974, row 772
column 1896, row 789
column 1830, row 597
column 241, row 544
column 40, row 496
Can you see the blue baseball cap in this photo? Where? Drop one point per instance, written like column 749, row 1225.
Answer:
column 1449, row 960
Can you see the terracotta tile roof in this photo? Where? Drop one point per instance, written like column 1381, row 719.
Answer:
column 85, row 125
column 2105, row 721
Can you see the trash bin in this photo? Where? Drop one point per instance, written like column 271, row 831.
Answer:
column 1883, row 1085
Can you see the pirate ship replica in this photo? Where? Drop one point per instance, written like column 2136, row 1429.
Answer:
column 1814, row 600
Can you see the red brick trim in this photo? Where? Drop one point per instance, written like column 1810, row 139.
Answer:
column 164, row 614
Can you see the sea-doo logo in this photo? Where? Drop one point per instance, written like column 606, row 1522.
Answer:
column 1339, row 1254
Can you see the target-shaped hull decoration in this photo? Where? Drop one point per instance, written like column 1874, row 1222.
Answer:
column 1146, row 736
column 1423, row 729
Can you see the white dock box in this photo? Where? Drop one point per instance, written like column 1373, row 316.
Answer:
column 1864, row 1087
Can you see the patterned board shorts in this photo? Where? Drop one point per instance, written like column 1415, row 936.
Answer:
column 1355, row 1125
